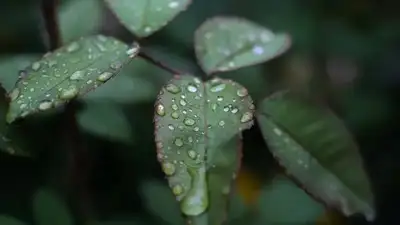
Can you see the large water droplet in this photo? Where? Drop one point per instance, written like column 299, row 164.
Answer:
column 69, row 93
column 14, row 94
column 177, row 189
column 172, row 88
column 168, row 168
column 160, row 109
column 178, row 142
column 189, row 121
column 218, row 88
column 74, row 46
column 77, row 75
column 175, row 115
column 104, row 76
column 45, row 105
column 247, row 116
column 192, row 88
column 192, row 154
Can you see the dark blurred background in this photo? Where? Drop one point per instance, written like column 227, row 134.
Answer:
column 347, row 50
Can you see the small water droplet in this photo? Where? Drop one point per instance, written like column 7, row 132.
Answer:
column 69, row 93
column 148, row 29
column 171, row 127
column 174, row 107
column 177, row 189
column 190, row 139
column 173, row 4
column 160, row 109
column 218, row 87
column 14, row 94
column 197, row 80
column 133, row 50
column 247, row 116
column 242, row 92
column 277, row 131
column 192, row 88
column 178, row 142
column 103, row 77
column 221, row 123
column 36, row 66
column 192, row 154
column 116, row 65
column 220, row 98
column 234, row 110
column 168, row 168
column 214, row 106
column 196, row 129
column 189, row 121
column 23, row 106
column 45, row 105
column 172, row 88
column 175, row 115
column 226, row 108
column 182, row 102
column 77, row 75
column 258, row 50
column 74, row 46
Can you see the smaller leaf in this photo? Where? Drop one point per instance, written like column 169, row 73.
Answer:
column 145, row 17
column 49, row 209
column 68, row 72
column 228, row 43
column 8, row 220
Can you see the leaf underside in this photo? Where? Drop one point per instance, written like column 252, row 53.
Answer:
column 145, row 17
column 198, row 136
column 68, row 72
column 8, row 220
column 315, row 148
column 228, row 43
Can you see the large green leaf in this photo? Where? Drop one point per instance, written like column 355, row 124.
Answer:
column 49, row 209
column 144, row 17
column 317, row 150
column 68, row 72
column 227, row 43
column 8, row 220
column 198, row 135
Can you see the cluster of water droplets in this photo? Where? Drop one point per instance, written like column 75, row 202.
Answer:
column 68, row 72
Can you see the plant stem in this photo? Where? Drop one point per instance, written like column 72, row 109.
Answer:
column 49, row 13
column 158, row 63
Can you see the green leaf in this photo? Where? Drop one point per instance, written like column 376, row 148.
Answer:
column 144, row 17
column 118, row 222
column 198, row 137
column 68, row 72
column 49, row 209
column 107, row 120
column 227, row 43
column 317, row 150
column 8, row 220
column 282, row 202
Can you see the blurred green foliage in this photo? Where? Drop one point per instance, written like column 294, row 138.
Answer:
column 112, row 177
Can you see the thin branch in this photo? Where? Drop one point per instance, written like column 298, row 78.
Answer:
column 158, row 63
column 49, row 13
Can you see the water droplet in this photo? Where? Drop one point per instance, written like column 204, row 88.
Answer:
column 218, row 88
column 69, row 93
column 148, row 29
column 247, row 116
column 192, row 154
column 277, row 131
column 226, row 108
column 36, row 66
column 171, row 127
column 234, row 110
column 221, row 123
column 174, row 107
column 116, row 65
column 133, row 50
column 173, row 5
column 197, row 80
column 104, row 76
column 72, row 47
column 175, row 115
column 220, row 98
column 182, row 102
column 258, row 50
column 23, row 106
column 172, row 88
column 214, row 106
column 196, row 129
column 189, row 121
column 77, row 75
column 45, row 105
column 178, row 142
column 192, row 88
column 168, row 168
column 160, row 109
column 242, row 92
column 14, row 94
column 177, row 189
column 190, row 139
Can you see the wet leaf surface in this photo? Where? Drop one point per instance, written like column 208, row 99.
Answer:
column 68, row 72
column 144, row 17
column 229, row 43
column 198, row 137
column 313, row 145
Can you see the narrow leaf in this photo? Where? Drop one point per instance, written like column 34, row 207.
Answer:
column 49, row 209
column 317, row 150
column 68, row 72
column 144, row 17
column 198, row 137
column 8, row 220
column 227, row 43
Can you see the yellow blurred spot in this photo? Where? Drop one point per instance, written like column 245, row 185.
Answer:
column 248, row 186
column 331, row 217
